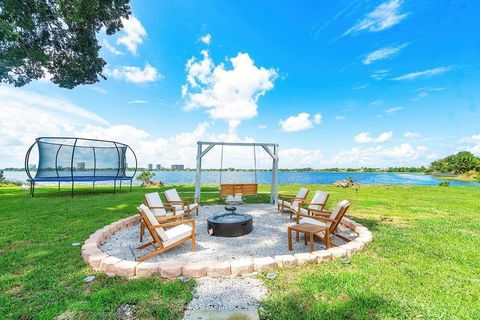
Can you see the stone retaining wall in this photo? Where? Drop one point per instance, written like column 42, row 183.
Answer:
column 100, row 261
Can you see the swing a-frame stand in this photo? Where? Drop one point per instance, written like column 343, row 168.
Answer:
column 270, row 148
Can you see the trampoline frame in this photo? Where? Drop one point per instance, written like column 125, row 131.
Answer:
column 72, row 177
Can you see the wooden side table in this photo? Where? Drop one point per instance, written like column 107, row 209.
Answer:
column 309, row 230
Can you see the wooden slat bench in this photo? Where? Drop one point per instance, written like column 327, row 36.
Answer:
column 231, row 189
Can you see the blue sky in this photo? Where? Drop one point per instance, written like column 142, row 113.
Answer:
column 337, row 83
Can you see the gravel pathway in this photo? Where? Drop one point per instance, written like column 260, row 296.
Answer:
column 268, row 238
column 226, row 294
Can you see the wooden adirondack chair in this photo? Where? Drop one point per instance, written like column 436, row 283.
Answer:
column 163, row 240
column 154, row 203
column 295, row 201
column 326, row 218
column 318, row 203
column 181, row 207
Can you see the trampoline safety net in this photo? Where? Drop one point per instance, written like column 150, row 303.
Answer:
column 79, row 160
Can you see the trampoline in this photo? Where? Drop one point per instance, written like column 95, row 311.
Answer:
column 67, row 159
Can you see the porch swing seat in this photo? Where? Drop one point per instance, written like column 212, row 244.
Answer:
column 236, row 189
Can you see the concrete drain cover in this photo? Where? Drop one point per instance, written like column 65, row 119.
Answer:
column 224, row 315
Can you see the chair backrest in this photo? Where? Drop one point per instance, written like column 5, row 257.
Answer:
column 301, row 194
column 319, row 200
column 337, row 215
column 155, row 204
column 172, row 196
column 158, row 233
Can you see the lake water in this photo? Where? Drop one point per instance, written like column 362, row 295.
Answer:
column 291, row 177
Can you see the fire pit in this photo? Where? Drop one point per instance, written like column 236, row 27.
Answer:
column 230, row 224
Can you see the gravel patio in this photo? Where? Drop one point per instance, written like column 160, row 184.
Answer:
column 268, row 238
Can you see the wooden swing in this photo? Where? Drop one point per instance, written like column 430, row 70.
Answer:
column 236, row 189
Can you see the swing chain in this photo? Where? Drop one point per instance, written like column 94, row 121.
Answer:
column 255, row 161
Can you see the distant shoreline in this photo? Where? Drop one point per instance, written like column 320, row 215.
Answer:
column 188, row 175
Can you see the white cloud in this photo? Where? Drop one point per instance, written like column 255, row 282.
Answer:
column 472, row 139
column 393, row 110
column 228, row 94
column 22, row 97
column 112, row 49
column 133, row 34
column 134, row 74
column 302, row 121
column 424, row 92
column 379, row 156
column 420, row 95
column 339, row 118
column 430, row 89
column 384, row 16
column 125, row 133
column 471, row 143
column 382, row 54
column 27, row 115
column 261, row 126
column 379, row 74
column 206, row 39
column 412, row 135
column 97, row 89
column 137, row 101
column 301, row 158
column 360, row 86
column 424, row 74
column 365, row 137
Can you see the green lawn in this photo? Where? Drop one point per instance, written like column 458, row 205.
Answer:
column 424, row 262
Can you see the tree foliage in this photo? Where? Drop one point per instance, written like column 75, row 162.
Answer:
column 56, row 38
column 146, row 177
column 459, row 163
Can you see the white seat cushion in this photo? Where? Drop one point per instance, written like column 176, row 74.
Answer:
column 190, row 208
column 177, row 233
column 336, row 210
column 316, row 222
column 172, row 196
column 312, row 221
column 286, row 204
column 318, row 197
column 153, row 221
column 153, row 200
column 294, row 206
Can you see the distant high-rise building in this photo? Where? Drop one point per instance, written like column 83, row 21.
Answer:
column 80, row 165
column 150, row 166
column 177, row 167
column 159, row 166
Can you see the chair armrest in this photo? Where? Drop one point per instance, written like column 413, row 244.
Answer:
column 298, row 199
column 176, row 223
column 304, row 215
column 319, row 212
column 166, row 218
column 314, row 203
column 175, row 202
column 314, row 217
column 287, row 196
column 323, row 219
